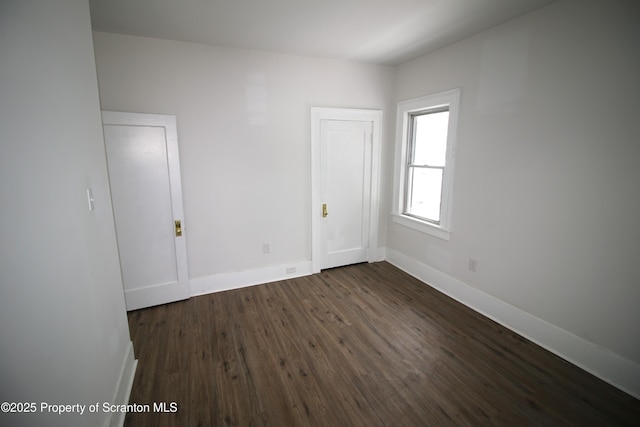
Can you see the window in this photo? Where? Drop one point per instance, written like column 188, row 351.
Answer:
column 425, row 143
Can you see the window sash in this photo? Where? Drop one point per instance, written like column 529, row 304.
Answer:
column 411, row 194
column 409, row 189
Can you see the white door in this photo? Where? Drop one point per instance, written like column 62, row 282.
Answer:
column 144, row 175
column 345, row 193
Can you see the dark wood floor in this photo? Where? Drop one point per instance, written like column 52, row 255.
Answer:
column 364, row 345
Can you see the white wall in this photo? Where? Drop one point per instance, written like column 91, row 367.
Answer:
column 546, row 192
column 244, row 132
column 64, row 336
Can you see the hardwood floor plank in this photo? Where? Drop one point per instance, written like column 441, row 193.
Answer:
column 364, row 345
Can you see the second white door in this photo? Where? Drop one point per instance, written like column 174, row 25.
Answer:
column 346, row 194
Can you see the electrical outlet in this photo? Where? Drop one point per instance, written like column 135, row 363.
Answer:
column 473, row 264
column 266, row 248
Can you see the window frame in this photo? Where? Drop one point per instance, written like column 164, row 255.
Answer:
column 404, row 144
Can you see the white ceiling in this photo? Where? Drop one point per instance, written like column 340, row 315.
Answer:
column 378, row 31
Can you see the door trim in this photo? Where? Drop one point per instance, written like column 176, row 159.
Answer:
column 347, row 114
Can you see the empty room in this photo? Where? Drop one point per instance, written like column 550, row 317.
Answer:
column 338, row 213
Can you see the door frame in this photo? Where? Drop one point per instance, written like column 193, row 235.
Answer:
column 162, row 293
column 344, row 114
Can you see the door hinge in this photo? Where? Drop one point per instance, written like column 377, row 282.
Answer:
column 178, row 225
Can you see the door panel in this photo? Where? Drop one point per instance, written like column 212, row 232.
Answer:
column 346, row 178
column 345, row 169
column 142, row 204
column 142, row 162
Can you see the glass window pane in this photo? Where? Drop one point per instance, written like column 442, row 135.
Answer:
column 430, row 138
column 425, row 190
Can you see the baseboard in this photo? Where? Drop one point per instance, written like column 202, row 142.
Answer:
column 600, row 362
column 242, row 279
column 123, row 391
column 154, row 295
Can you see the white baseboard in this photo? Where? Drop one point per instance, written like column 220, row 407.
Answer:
column 600, row 362
column 242, row 279
column 123, row 391
column 154, row 295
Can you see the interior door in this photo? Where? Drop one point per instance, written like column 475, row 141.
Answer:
column 144, row 175
column 345, row 190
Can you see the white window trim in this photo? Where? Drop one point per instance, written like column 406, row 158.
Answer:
column 405, row 108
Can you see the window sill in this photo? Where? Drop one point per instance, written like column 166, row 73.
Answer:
column 421, row 226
